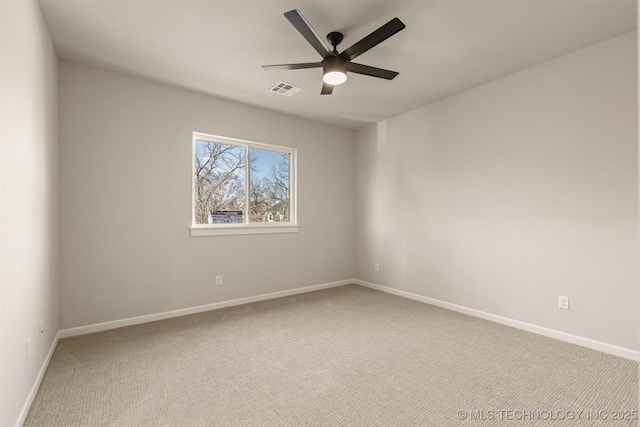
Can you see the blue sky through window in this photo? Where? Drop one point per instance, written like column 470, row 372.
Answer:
column 263, row 161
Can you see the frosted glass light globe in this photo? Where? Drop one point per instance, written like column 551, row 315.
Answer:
column 334, row 78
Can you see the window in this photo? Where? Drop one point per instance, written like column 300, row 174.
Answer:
column 242, row 187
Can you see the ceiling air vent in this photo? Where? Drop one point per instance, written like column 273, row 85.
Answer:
column 285, row 89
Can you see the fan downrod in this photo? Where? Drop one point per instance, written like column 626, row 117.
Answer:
column 335, row 38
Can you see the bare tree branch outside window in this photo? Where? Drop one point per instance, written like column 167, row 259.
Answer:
column 219, row 179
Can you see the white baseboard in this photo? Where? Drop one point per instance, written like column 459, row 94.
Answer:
column 98, row 327
column 540, row 330
column 34, row 389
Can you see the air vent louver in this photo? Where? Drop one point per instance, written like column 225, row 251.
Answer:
column 285, row 89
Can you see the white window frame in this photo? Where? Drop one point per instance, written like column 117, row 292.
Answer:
column 198, row 230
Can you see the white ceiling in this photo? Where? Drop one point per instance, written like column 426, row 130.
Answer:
column 217, row 47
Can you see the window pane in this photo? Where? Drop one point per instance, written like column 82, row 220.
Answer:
column 269, row 189
column 220, row 175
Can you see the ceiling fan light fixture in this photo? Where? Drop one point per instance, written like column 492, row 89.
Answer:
column 334, row 70
column 334, row 78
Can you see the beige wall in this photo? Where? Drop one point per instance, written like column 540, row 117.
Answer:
column 125, row 176
column 28, row 201
column 501, row 198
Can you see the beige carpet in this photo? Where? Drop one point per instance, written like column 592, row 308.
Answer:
column 347, row 356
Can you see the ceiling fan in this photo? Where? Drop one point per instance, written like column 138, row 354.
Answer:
column 335, row 65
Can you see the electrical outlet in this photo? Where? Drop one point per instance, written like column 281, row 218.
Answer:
column 376, row 266
column 41, row 328
column 218, row 280
column 28, row 348
column 563, row 302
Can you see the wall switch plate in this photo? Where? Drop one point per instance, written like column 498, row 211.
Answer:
column 376, row 266
column 41, row 328
column 563, row 302
column 218, row 280
column 28, row 348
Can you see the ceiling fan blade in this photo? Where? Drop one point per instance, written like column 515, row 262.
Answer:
column 292, row 66
column 377, row 37
column 371, row 71
column 326, row 89
column 295, row 17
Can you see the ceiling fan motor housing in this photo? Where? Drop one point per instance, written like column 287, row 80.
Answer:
column 334, row 70
column 334, row 63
